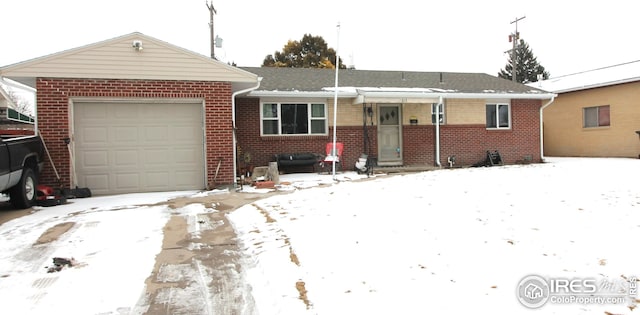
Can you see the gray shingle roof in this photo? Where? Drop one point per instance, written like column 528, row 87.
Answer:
column 310, row 79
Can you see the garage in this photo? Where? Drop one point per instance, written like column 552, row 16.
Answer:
column 143, row 115
column 134, row 146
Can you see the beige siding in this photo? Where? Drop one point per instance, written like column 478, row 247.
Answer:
column 457, row 112
column 117, row 59
column 465, row 111
column 565, row 136
column 421, row 112
column 349, row 114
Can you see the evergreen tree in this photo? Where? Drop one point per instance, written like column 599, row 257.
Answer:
column 310, row 52
column 527, row 66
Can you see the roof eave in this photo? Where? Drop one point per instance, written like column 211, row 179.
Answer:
column 446, row 95
column 302, row 94
column 404, row 94
column 597, row 85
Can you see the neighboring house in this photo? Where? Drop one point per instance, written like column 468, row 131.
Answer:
column 141, row 115
column 144, row 115
column 11, row 120
column 391, row 115
column 596, row 113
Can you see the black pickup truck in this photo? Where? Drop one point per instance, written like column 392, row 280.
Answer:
column 21, row 160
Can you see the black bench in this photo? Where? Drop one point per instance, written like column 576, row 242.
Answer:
column 297, row 160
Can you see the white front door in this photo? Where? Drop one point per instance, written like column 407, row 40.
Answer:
column 389, row 135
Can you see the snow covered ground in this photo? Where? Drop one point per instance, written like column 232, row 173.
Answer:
column 446, row 241
column 114, row 239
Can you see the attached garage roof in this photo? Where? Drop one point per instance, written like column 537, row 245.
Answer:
column 118, row 58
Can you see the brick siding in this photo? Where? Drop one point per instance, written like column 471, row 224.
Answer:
column 468, row 142
column 53, row 116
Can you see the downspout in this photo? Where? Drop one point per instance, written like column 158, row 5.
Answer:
column 438, row 132
column 542, row 127
column 233, row 125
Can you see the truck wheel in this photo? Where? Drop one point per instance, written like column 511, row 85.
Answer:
column 24, row 194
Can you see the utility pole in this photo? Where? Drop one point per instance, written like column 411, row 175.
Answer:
column 212, row 11
column 514, row 39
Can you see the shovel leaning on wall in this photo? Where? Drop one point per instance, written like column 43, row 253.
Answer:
column 74, row 192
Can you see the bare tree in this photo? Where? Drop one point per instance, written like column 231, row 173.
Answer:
column 20, row 102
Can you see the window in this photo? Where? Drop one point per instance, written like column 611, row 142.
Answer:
column 293, row 118
column 440, row 110
column 498, row 116
column 597, row 116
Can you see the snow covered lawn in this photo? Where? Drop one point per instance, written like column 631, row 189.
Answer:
column 446, row 241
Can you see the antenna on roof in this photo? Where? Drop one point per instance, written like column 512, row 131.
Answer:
column 212, row 11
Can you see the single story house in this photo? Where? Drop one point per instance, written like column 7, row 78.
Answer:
column 596, row 113
column 391, row 115
column 137, row 114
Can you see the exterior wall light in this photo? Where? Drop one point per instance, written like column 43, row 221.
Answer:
column 137, row 45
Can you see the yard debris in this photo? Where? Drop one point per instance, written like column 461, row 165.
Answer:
column 59, row 263
column 492, row 159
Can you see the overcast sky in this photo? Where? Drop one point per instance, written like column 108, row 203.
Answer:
column 455, row 36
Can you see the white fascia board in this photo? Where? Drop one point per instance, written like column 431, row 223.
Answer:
column 406, row 95
column 366, row 96
column 302, row 94
column 596, row 85
column 528, row 96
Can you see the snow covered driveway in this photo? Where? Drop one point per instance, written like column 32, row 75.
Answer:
column 446, row 241
column 113, row 239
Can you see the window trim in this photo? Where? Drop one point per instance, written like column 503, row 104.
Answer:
column 278, row 118
column 597, row 108
column 441, row 116
column 497, row 127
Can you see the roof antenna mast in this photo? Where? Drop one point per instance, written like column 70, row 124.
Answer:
column 212, row 11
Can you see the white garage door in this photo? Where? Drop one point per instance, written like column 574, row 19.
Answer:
column 138, row 147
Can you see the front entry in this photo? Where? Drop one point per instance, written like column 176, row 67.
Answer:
column 389, row 135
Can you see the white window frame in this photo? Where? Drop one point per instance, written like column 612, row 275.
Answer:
column 497, row 105
column 310, row 118
column 433, row 113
